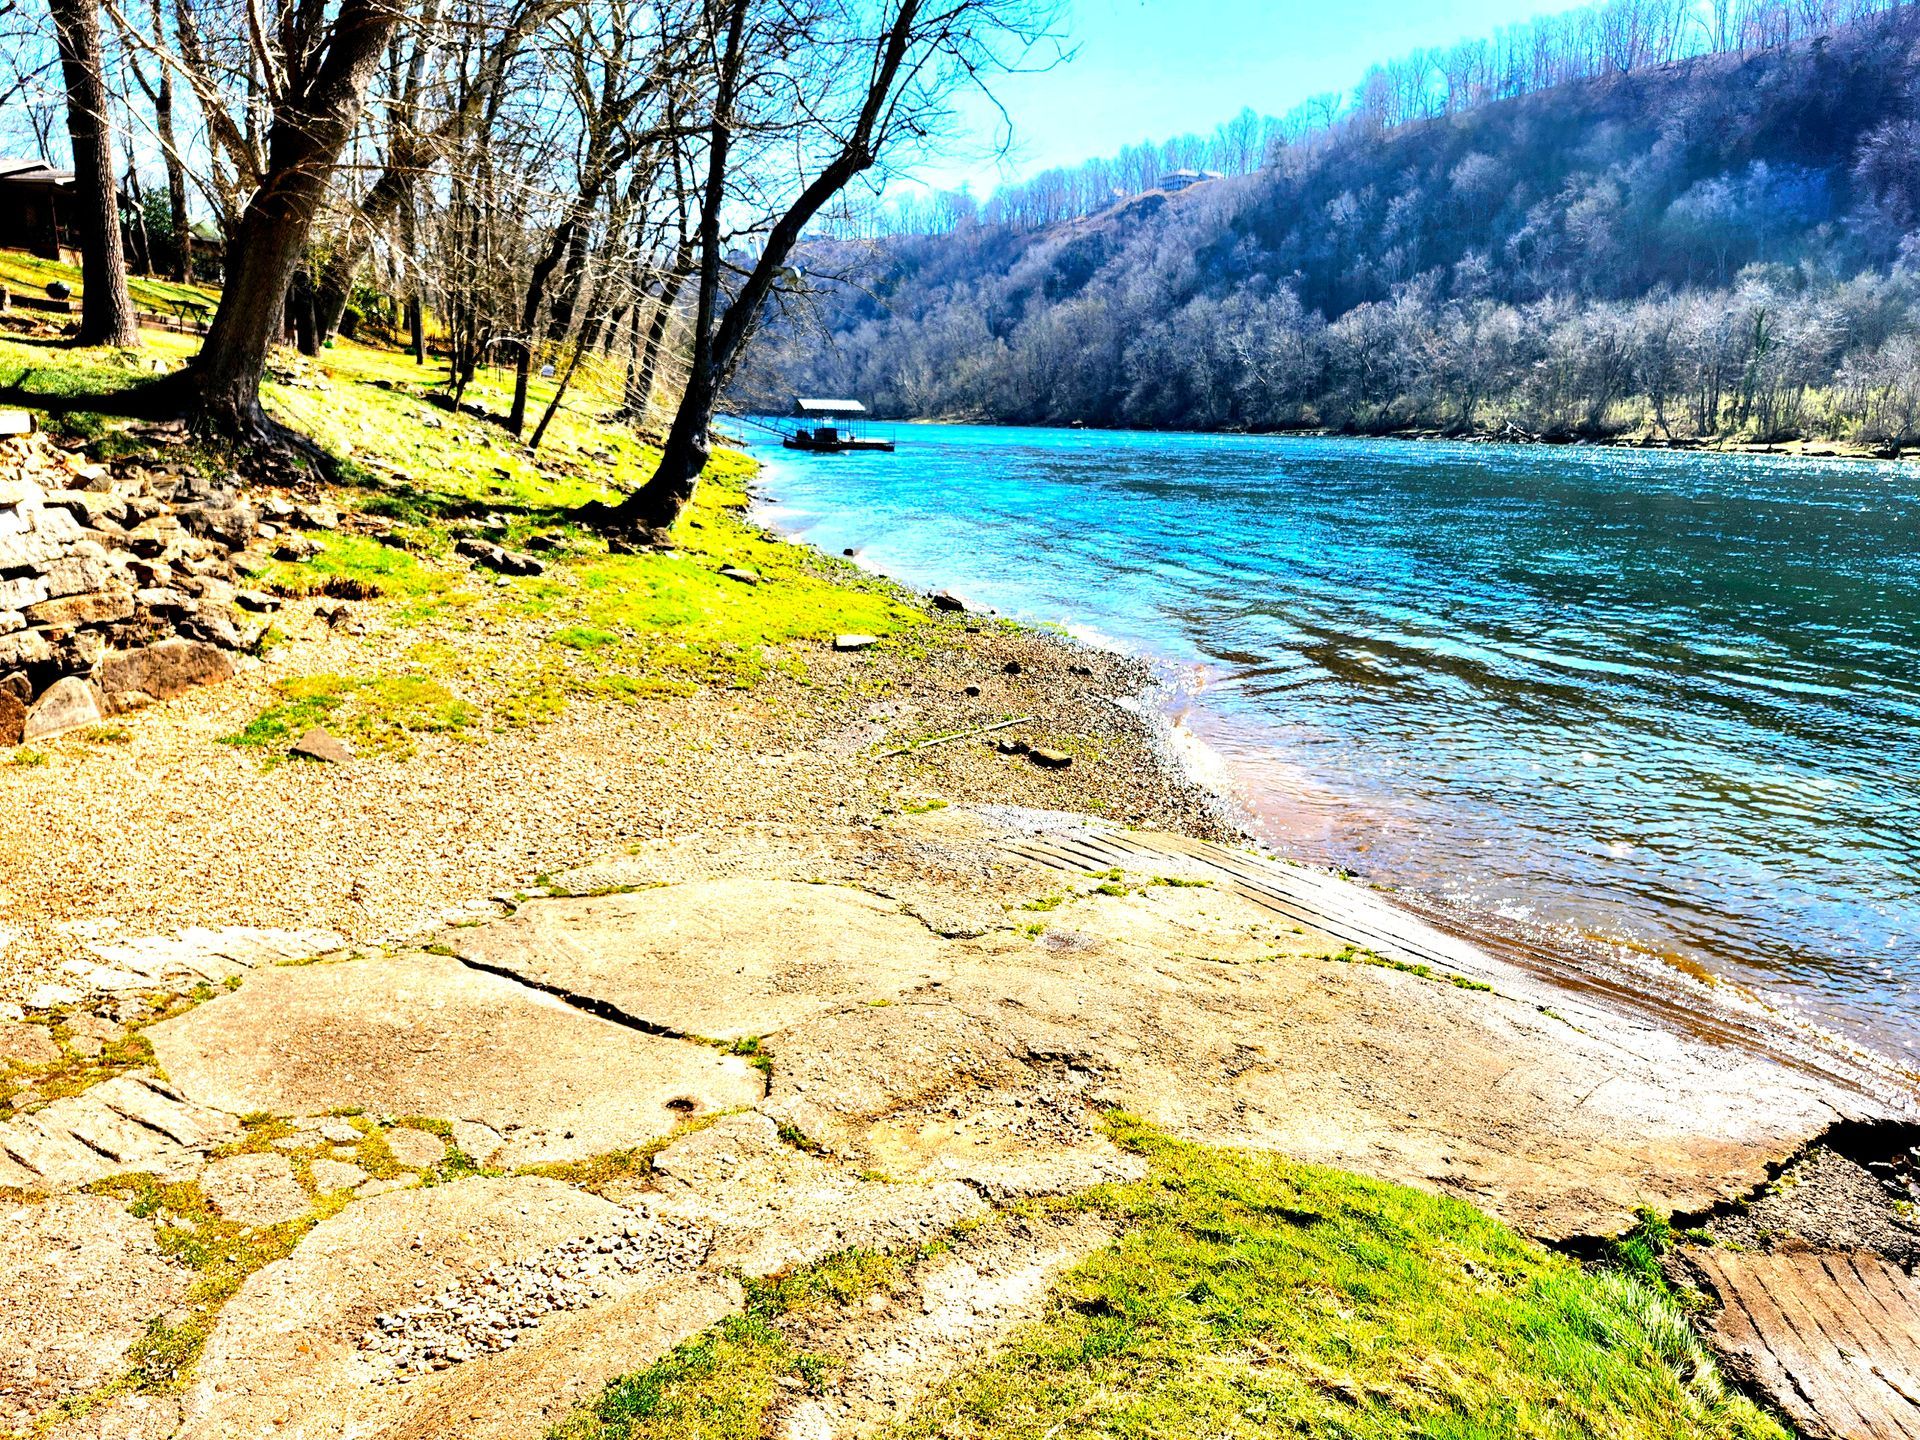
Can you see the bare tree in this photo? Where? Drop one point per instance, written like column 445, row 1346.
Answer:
column 908, row 56
column 314, row 72
column 106, row 309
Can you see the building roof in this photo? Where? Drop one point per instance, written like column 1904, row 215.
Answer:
column 32, row 172
column 807, row 407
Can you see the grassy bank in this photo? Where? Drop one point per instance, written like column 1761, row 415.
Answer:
column 1247, row 1296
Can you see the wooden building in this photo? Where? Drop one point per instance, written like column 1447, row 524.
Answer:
column 36, row 203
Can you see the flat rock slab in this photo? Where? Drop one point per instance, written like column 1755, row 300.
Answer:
column 196, row 955
column 1200, row 1010
column 774, row 1208
column 530, row 1079
column 27, row 1044
column 723, row 958
column 522, row 1394
column 134, row 1121
column 1831, row 1338
column 418, row 1148
column 290, row 1355
column 80, row 1279
column 254, row 1189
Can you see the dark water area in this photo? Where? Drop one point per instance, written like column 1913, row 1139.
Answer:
column 1662, row 706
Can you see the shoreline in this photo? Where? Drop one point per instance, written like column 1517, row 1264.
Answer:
column 1717, row 1009
column 1796, row 449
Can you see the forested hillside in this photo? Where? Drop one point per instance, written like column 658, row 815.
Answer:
column 1727, row 243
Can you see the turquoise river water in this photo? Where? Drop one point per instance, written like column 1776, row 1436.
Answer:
column 1662, row 706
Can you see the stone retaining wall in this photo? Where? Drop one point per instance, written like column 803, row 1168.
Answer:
column 118, row 584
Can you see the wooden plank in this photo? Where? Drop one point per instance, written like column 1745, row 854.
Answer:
column 1830, row 1337
column 1845, row 1347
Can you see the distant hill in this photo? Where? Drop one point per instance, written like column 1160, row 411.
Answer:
column 1724, row 244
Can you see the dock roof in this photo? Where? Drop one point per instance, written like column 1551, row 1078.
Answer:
column 810, row 407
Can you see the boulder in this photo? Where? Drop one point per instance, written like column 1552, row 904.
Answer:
column 296, row 549
column 77, row 652
column 164, row 671
column 13, row 719
column 230, row 526
column 25, row 590
column 494, row 557
column 101, row 608
column 314, row 516
column 67, row 705
column 23, row 647
column 317, row 744
column 74, row 575
column 947, row 600
column 855, row 642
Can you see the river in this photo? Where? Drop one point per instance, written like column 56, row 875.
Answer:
column 1659, row 706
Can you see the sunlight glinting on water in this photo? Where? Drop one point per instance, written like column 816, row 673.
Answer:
column 1662, row 699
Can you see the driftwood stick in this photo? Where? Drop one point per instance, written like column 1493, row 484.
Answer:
column 957, row 735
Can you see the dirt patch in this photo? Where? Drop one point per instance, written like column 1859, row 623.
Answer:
column 1830, row 1201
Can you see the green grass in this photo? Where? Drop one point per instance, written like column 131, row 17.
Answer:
column 1248, row 1296
column 719, row 1385
column 1354, row 955
column 389, row 571
column 380, row 713
column 625, row 628
column 29, row 274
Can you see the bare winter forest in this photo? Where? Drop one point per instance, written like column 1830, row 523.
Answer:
column 536, row 181
column 1658, row 218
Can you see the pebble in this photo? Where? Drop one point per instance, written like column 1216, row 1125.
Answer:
column 492, row 1310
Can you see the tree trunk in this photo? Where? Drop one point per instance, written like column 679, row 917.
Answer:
column 303, row 146
column 416, row 312
column 639, row 396
column 530, row 314
column 717, row 349
column 306, row 335
column 182, row 258
column 657, row 504
column 106, row 311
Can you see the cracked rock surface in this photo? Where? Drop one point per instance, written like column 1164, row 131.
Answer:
column 289, row 1356
column 80, row 1279
column 723, row 958
column 774, row 1208
column 540, row 1080
column 940, row 1023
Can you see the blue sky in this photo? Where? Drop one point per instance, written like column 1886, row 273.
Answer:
column 1149, row 69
